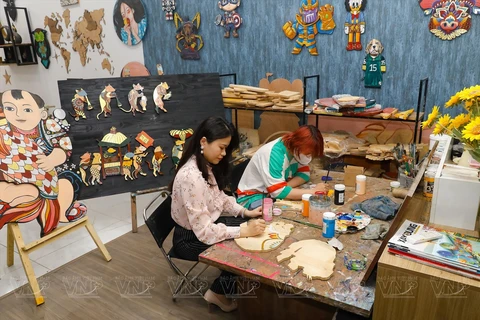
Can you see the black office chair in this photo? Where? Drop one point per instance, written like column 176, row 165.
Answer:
column 236, row 175
column 160, row 224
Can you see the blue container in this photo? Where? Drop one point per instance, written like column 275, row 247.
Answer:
column 328, row 224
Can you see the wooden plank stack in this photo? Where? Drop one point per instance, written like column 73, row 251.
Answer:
column 248, row 96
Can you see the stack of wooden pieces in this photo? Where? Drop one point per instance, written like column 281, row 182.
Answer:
column 380, row 152
column 248, row 96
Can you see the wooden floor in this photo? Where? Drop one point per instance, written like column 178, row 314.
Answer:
column 134, row 285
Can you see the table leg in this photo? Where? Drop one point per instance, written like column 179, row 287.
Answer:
column 133, row 204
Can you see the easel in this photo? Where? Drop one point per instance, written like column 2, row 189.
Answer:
column 14, row 235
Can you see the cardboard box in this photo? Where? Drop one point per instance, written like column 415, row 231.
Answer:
column 350, row 175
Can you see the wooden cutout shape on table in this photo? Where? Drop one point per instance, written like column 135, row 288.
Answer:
column 78, row 104
column 105, row 98
column 133, row 96
column 92, row 163
column 449, row 18
column 188, row 40
column 315, row 257
column 160, row 94
column 36, row 181
column 157, row 158
column 42, row 46
column 281, row 84
column 230, row 20
column 134, row 69
column 355, row 23
column 130, row 21
column 177, row 150
column 168, row 6
column 271, row 238
column 311, row 20
column 7, row 77
column 374, row 64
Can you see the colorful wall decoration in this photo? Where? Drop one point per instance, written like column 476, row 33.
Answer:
column 355, row 23
column 374, row 64
column 188, row 40
column 230, row 20
column 42, row 46
column 130, row 21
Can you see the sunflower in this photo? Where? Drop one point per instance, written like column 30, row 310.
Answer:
column 459, row 121
column 469, row 93
column 472, row 130
column 442, row 124
column 431, row 117
column 454, row 100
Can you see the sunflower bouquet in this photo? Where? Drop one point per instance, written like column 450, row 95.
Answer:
column 464, row 127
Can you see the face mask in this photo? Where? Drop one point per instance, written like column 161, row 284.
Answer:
column 303, row 159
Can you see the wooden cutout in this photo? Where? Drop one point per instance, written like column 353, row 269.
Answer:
column 105, row 98
column 7, row 77
column 159, row 94
column 78, row 104
column 92, row 163
column 64, row 3
column 230, row 20
column 355, row 23
column 188, row 41
column 133, row 96
column 177, row 150
column 271, row 238
column 374, row 64
column 315, row 257
column 66, row 17
column 112, row 158
column 280, row 84
column 159, row 69
column 42, row 46
column 157, row 159
column 134, row 69
column 130, row 21
column 168, row 6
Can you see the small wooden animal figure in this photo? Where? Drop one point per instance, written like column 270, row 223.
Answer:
column 127, row 165
column 78, row 104
column 94, row 165
column 157, row 159
column 138, row 161
column 177, row 149
column 374, row 64
column 105, row 98
column 42, row 46
column 231, row 20
column 168, row 6
column 143, row 103
column 188, row 41
column 133, row 95
column 159, row 94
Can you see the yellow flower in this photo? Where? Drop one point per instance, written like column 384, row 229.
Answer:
column 431, row 117
column 438, row 129
column 442, row 124
column 453, row 101
column 469, row 93
column 472, row 130
column 459, row 121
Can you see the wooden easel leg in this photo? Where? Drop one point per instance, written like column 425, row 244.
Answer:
column 27, row 264
column 133, row 204
column 10, row 241
column 98, row 241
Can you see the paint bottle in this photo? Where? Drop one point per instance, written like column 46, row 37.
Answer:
column 339, row 197
column 267, row 209
column 428, row 182
column 394, row 185
column 306, row 204
column 328, row 225
column 361, row 184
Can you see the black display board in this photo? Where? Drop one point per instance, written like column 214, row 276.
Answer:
column 194, row 98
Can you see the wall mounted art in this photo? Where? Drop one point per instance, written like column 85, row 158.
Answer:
column 130, row 21
column 168, row 6
column 230, row 20
column 188, row 40
column 10, row 4
column 36, row 181
column 159, row 94
column 177, row 150
column 7, row 77
column 311, row 21
column 157, row 158
column 105, row 99
column 42, row 46
column 113, row 146
column 355, row 23
column 133, row 96
column 449, row 18
column 78, row 104
column 374, row 64
column 64, row 3
column 134, row 69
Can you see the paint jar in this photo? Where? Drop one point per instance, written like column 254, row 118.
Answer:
column 339, row 197
column 319, row 203
column 328, row 230
column 361, row 184
column 428, row 182
column 267, row 209
column 306, row 204
column 393, row 185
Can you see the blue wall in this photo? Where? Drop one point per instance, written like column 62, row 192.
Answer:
column 411, row 51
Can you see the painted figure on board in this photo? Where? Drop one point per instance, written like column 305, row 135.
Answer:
column 130, row 21
column 311, row 21
column 188, row 40
column 35, row 181
column 355, row 23
column 230, row 20
column 374, row 64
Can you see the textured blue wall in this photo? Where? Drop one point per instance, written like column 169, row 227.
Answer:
column 411, row 51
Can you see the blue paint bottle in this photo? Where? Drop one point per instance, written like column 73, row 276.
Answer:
column 328, row 224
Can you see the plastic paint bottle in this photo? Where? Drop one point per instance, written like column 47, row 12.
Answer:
column 429, row 181
column 339, row 198
column 267, row 209
column 328, row 225
column 306, row 204
column 361, row 184
column 394, row 185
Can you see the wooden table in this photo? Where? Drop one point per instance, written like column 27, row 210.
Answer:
column 275, row 281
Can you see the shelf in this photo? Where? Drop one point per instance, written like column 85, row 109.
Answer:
column 411, row 118
column 283, row 110
column 11, row 45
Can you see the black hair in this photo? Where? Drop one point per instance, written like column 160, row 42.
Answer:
column 362, row 7
column 212, row 128
column 18, row 94
column 138, row 13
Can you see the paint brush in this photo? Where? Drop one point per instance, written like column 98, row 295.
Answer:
column 303, row 222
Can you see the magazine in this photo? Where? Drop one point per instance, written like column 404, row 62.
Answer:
column 454, row 249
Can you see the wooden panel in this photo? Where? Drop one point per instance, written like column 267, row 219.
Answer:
column 194, row 98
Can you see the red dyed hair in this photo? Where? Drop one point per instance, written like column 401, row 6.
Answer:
column 306, row 140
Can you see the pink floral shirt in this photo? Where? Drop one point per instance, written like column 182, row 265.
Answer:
column 196, row 205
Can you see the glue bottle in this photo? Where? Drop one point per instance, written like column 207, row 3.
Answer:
column 361, row 184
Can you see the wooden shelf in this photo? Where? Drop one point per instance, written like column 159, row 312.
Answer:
column 11, row 45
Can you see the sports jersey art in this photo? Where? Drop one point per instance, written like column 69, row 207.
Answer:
column 374, row 64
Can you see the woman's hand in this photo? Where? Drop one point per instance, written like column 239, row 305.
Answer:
column 253, row 213
column 252, row 228
column 320, row 187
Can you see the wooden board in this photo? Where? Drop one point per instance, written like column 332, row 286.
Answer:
column 194, row 98
column 273, row 236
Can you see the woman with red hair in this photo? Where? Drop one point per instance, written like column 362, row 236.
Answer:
column 280, row 167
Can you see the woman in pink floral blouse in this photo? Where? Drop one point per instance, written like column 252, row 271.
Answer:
column 198, row 202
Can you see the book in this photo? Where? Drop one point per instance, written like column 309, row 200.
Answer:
column 452, row 249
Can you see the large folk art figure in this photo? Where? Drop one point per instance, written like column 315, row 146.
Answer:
column 311, row 20
column 36, row 182
column 450, row 18
column 355, row 23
